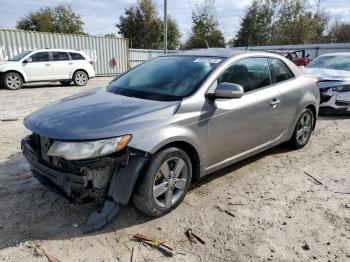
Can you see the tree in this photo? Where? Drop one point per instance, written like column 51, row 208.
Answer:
column 142, row 25
column 205, row 27
column 174, row 34
column 256, row 25
column 281, row 22
column 60, row 19
column 340, row 33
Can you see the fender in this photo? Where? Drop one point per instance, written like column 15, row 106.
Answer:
column 16, row 69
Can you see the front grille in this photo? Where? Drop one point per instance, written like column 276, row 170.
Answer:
column 41, row 145
column 325, row 98
column 342, row 103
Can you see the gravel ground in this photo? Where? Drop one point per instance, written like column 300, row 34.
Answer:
column 279, row 212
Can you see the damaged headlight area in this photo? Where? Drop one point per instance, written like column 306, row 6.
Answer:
column 104, row 170
column 88, row 149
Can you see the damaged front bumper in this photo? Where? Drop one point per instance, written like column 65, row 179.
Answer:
column 110, row 180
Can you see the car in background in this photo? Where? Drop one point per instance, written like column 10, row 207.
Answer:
column 298, row 57
column 46, row 65
column 333, row 73
column 166, row 123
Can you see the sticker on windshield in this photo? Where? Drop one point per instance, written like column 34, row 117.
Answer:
column 207, row 60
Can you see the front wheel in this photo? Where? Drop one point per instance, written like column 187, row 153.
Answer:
column 13, row 81
column 80, row 78
column 303, row 129
column 164, row 182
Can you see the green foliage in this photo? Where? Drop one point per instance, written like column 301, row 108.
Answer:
column 281, row 22
column 340, row 33
column 205, row 28
column 144, row 28
column 60, row 19
column 174, row 34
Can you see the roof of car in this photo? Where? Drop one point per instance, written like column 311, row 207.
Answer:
column 215, row 52
column 55, row 50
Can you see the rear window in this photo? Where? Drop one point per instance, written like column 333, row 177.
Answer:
column 279, row 71
column 60, row 56
column 76, row 56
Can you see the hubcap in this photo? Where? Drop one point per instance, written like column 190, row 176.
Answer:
column 170, row 182
column 13, row 81
column 81, row 78
column 304, row 129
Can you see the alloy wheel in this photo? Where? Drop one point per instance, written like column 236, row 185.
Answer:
column 81, row 78
column 170, row 182
column 13, row 82
column 304, row 129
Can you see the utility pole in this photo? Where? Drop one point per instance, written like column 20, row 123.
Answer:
column 165, row 34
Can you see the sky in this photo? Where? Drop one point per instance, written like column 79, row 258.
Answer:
column 100, row 16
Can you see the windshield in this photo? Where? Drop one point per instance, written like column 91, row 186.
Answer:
column 331, row 62
column 19, row 56
column 165, row 78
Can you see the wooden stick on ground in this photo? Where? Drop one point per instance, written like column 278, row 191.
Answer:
column 41, row 252
column 162, row 246
column 315, row 181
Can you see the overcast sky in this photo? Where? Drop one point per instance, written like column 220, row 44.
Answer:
column 100, row 16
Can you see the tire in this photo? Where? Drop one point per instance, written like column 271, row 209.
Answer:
column 80, row 78
column 303, row 129
column 12, row 81
column 148, row 196
column 65, row 83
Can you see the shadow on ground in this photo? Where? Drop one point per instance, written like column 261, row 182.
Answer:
column 31, row 212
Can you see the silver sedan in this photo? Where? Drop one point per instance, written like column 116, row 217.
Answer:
column 166, row 123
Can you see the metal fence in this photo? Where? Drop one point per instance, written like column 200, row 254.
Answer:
column 138, row 56
column 100, row 49
column 314, row 50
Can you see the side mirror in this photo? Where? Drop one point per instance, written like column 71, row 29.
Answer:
column 28, row 60
column 228, row 90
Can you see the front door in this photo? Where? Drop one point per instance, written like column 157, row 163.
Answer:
column 38, row 67
column 239, row 125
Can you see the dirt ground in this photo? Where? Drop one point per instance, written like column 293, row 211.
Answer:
column 280, row 213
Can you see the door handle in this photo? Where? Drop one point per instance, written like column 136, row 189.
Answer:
column 275, row 102
column 47, row 64
column 70, row 63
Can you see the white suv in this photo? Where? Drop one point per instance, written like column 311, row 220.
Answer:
column 45, row 65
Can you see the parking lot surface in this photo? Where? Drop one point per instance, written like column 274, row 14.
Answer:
column 282, row 205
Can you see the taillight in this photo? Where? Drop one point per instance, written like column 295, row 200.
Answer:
column 91, row 62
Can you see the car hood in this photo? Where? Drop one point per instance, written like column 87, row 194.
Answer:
column 98, row 114
column 327, row 74
column 5, row 63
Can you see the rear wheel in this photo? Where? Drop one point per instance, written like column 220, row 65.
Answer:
column 66, row 83
column 13, row 81
column 303, row 129
column 80, row 78
column 164, row 183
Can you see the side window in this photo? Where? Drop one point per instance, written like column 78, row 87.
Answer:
column 279, row 71
column 76, row 56
column 40, row 57
column 60, row 56
column 250, row 73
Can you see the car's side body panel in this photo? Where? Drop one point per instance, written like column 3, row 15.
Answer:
column 49, row 70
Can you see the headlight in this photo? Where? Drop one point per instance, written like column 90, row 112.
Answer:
column 88, row 149
column 345, row 88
